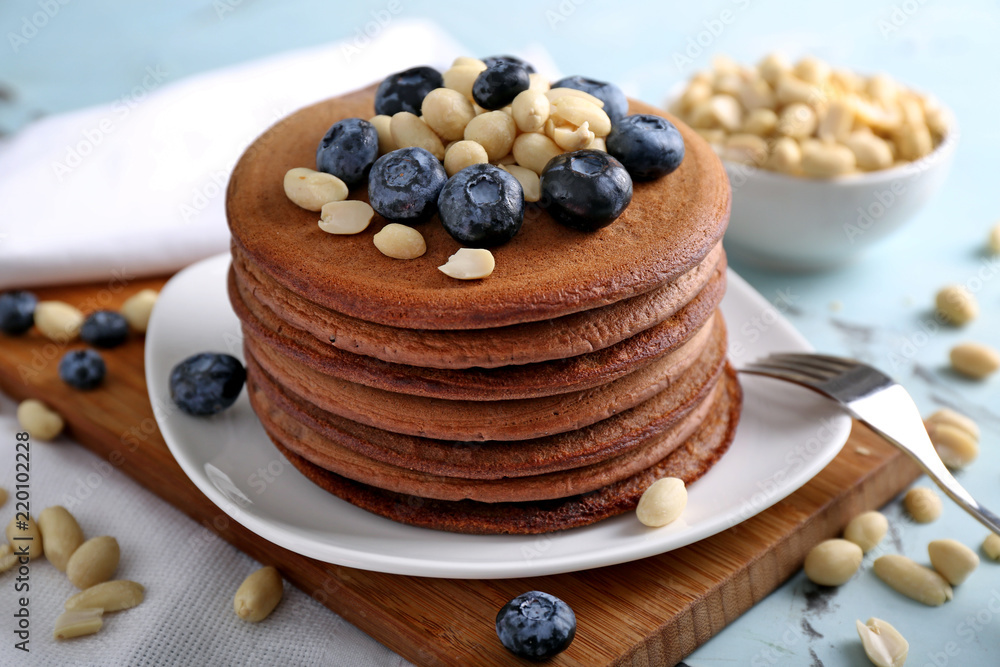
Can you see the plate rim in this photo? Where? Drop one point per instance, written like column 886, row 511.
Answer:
column 479, row 569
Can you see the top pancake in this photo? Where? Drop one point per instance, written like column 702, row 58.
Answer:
column 546, row 271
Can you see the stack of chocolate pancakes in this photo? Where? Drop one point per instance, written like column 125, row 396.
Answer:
column 546, row 396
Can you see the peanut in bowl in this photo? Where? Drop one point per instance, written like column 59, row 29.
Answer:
column 823, row 163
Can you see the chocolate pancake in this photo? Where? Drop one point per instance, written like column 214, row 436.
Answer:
column 546, row 271
column 328, row 455
column 688, row 462
column 480, row 384
column 606, row 439
column 534, row 342
column 517, row 419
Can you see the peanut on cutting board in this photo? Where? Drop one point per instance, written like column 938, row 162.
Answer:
column 138, row 307
column 39, row 420
column 58, row 321
column 258, row 595
column 913, row 580
column 857, row 122
column 833, row 562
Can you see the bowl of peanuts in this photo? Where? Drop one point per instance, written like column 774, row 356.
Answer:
column 823, row 162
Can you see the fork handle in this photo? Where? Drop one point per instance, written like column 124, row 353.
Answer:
column 908, row 434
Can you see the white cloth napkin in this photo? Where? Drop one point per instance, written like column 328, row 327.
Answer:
column 189, row 573
column 137, row 187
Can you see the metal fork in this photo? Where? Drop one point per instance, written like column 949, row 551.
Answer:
column 876, row 400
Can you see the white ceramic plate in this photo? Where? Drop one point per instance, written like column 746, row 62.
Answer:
column 786, row 436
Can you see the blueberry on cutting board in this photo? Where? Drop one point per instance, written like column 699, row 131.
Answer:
column 104, row 328
column 206, row 383
column 17, row 312
column 536, row 625
column 82, row 369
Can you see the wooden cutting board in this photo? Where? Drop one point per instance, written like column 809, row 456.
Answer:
column 649, row 612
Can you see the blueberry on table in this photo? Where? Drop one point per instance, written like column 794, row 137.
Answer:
column 404, row 185
column 493, row 60
column 498, row 85
column 348, row 150
column 482, row 206
column 615, row 102
column 536, row 625
column 82, row 369
column 17, row 312
column 405, row 91
column 649, row 146
column 105, row 328
column 206, row 383
column 585, row 190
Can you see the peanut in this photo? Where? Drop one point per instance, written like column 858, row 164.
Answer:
column 61, row 535
column 555, row 93
column 258, row 595
column 797, row 120
column 494, row 131
column 570, row 139
column 462, row 154
column 78, row 623
column 346, row 217
column 25, row 541
column 761, row 122
column 956, row 304
column 382, row 126
column 923, row 504
column 469, row 264
column 109, row 596
column 39, row 420
column 956, row 419
column 827, row 160
column 870, row 152
column 538, row 82
column 833, row 562
column 576, row 111
column 991, row 546
column 912, row 580
column 529, row 181
column 662, row 502
column 786, row 156
column 721, row 111
column 772, row 67
column 408, row 130
column 465, row 61
column 756, row 95
column 530, row 110
column 883, row 644
column 93, row 562
column 956, row 447
column 138, row 307
column 974, row 360
column 994, row 239
column 3, row 496
column 745, row 148
column 447, row 112
column 310, row 189
column 58, row 321
column 461, row 78
column 836, row 122
column 696, row 93
column 953, row 560
column 534, row 150
column 400, row 242
column 812, row 70
column 867, row 530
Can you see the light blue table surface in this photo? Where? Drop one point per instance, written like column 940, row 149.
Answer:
column 877, row 309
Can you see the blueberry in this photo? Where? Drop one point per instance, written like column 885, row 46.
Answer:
column 493, row 60
column 206, row 383
column 615, row 102
column 348, row 150
column 17, row 312
column 404, row 185
column 405, row 91
column 536, row 625
column 105, row 328
column 83, row 369
column 482, row 206
column 648, row 146
column 586, row 189
column 498, row 85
